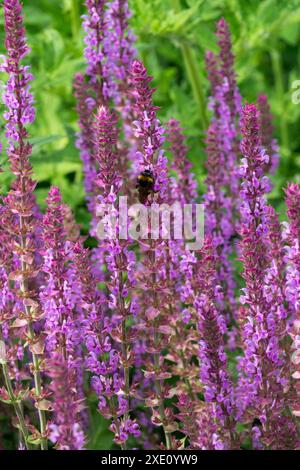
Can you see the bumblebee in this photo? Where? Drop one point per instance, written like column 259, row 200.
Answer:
column 145, row 185
column 256, row 422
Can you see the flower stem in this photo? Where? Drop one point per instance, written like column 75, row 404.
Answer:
column 74, row 13
column 279, row 87
column 193, row 73
column 38, row 390
column 16, row 405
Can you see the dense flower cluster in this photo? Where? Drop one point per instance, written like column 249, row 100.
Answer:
column 266, row 362
column 222, row 148
column 292, row 278
column 172, row 346
column 267, row 139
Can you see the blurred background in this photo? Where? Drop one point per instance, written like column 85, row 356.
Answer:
column 172, row 37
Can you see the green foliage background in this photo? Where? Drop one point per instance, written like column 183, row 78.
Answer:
column 172, row 37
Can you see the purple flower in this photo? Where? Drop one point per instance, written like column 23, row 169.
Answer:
column 94, row 27
column 266, row 128
column 222, row 148
column 265, row 364
column 64, row 320
column 184, row 186
column 148, row 129
column 118, row 46
column 218, row 388
column 65, row 431
column 84, row 142
column 292, row 287
column 112, row 379
column 156, row 295
column 226, row 68
column 20, row 201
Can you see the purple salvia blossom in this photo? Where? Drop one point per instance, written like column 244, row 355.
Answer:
column 184, row 186
column 292, row 202
column 94, row 27
column 218, row 210
column 72, row 229
column 266, row 128
column 52, row 294
column 120, row 262
column 84, row 142
column 108, row 50
column 120, row 53
column 204, row 293
column 148, row 129
column 183, row 343
column 276, row 274
column 66, row 430
column 89, row 91
column 119, row 50
column 263, row 368
column 20, row 200
column 59, row 297
column 226, row 68
column 253, row 246
column 213, row 73
column 109, row 53
column 208, row 437
column 226, row 103
column 17, row 96
column 182, row 346
column 95, row 325
column 222, row 172
column 60, row 301
column 156, row 297
column 292, row 288
column 6, row 266
column 10, row 304
column 201, row 427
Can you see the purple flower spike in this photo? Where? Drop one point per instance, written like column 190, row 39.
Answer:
column 292, row 287
column 148, row 128
column 264, row 370
column 227, row 67
column 65, row 431
column 22, row 215
column 184, row 187
column 266, row 128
